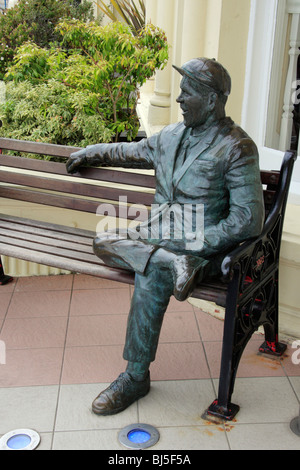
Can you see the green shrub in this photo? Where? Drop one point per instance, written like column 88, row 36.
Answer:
column 86, row 92
column 36, row 20
column 52, row 113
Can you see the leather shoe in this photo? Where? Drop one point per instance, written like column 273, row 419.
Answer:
column 184, row 270
column 120, row 394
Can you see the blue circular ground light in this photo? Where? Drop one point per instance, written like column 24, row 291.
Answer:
column 18, row 442
column 139, row 436
column 20, row 439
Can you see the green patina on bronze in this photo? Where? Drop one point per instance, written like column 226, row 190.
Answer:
column 205, row 160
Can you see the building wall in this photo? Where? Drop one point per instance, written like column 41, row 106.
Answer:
column 199, row 28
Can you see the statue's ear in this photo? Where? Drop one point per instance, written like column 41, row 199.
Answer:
column 212, row 100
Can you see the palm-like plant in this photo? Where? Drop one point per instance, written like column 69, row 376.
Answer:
column 132, row 12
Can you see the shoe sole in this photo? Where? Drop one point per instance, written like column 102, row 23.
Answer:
column 182, row 295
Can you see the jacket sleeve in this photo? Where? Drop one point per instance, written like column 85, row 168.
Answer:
column 246, row 209
column 127, row 155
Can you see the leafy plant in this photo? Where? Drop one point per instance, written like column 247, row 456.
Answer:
column 86, row 91
column 36, row 20
column 50, row 113
column 134, row 14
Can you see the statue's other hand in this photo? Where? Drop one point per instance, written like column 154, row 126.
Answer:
column 76, row 160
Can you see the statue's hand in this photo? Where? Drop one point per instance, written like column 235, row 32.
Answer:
column 76, row 160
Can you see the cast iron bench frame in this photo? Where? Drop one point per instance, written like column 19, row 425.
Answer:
column 248, row 289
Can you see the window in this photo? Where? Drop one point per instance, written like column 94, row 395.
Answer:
column 271, row 72
column 283, row 109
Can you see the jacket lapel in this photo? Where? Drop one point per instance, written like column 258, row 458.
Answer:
column 194, row 151
column 168, row 163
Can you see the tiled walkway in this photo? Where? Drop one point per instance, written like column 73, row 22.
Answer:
column 64, row 338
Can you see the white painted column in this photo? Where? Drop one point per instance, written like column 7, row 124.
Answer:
column 193, row 29
column 151, row 11
column 188, row 43
column 159, row 109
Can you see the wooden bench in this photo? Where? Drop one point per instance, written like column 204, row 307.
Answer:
column 248, row 289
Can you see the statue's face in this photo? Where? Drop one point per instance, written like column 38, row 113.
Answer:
column 194, row 104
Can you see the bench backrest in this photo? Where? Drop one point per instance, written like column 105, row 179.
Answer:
column 41, row 181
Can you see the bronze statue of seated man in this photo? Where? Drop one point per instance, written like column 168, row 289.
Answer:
column 207, row 162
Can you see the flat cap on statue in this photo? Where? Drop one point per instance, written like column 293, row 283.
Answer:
column 207, row 72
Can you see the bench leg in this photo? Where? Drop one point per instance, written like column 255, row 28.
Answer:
column 242, row 318
column 3, row 278
column 271, row 345
column 231, row 354
column 273, row 348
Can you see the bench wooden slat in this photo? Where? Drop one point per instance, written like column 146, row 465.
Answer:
column 46, row 241
column 65, row 202
column 270, row 177
column 70, row 187
column 100, row 174
column 44, row 232
column 37, row 147
column 68, row 264
column 268, row 197
column 66, row 252
column 42, row 148
column 22, row 223
column 211, row 291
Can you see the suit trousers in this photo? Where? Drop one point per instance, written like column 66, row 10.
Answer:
column 153, row 289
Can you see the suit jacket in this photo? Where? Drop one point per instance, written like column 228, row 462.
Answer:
column 220, row 172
